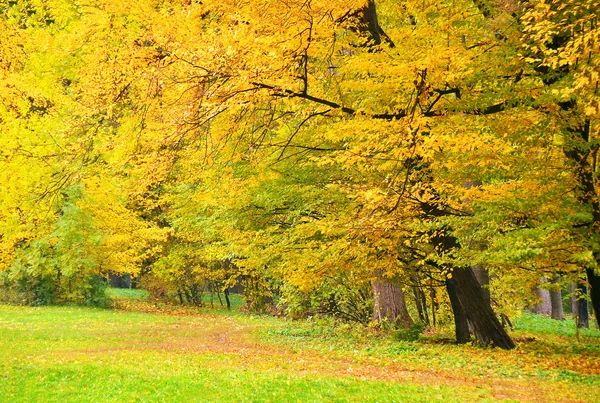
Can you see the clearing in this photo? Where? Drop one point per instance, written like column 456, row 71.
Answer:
column 72, row 354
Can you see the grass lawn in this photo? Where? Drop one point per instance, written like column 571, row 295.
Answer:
column 72, row 354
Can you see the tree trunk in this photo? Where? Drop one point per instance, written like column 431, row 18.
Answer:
column 594, row 281
column 582, row 307
column 461, row 325
column 573, row 292
column 390, row 305
column 483, row 278
column 434, row 305
column 557, row 303
column 365, row 21
column 486, row 326
column 227, row 299
column 544, row 306
column 472, row 300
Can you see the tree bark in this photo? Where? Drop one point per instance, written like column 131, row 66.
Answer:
column 483, row 278
column 420, row 300
column 434, row 305
column 582, row 307
column 461, row 325
column 472, row 300
column 390, row 304
column 594, row 281
column 487, row 328
column 544, row 306
column 365, row 21
column 573, row 292
column 227, row 298
column 557, row 303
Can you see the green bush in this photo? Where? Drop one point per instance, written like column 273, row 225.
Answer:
column 95, row 293
column 334, row 298
column 411, row 334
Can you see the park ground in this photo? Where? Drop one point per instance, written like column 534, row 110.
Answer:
column 153, row 354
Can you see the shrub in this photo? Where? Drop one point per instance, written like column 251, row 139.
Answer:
column 411, row 334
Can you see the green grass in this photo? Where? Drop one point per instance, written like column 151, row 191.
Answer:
column 124, row 294
column 71, row 354
column 542, row 324
column 127, row 293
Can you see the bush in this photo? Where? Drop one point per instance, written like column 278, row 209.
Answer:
column 95, row 293
column 335, row 298
column 89, row 290
column 411, row 334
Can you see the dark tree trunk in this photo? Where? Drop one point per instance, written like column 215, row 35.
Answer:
column 472, row 300
column 487, row 328
column 227, row 299
column 483, row 278
column 390, row 304
column 415, row 290
column 365, row 21
column 582, row 307
column 594, row 281
column 434, row 305
column 119, row 281
column 461, row 326
column 557, row 302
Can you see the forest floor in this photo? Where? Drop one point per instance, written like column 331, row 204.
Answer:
column 73, row 354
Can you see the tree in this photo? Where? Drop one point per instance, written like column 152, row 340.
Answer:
column 309, row 145
column 64, row 221
column 559, row 38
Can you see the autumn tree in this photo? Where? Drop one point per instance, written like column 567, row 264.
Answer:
column 299, row 147
column 64, row 222
column 561, row 43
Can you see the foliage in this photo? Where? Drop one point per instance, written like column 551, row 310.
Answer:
column 351, row 303
column 302, row 150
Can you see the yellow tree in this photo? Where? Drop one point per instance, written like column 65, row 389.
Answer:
column 329, row 70
column 561, row 42
column 64, row 93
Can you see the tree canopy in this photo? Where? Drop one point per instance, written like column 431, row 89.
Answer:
column 331, row 155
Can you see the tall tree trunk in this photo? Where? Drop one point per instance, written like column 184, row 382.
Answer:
column 227, row 298
column 544, row 305
column 486, row 326
column 472, row 300
column 557, row 302
column 573, row 292
column 483, row 278
column 582, row 307
column 434, row 305
column 594, row 281
column 420, row 300
column 461, row 325
column 390, row 304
